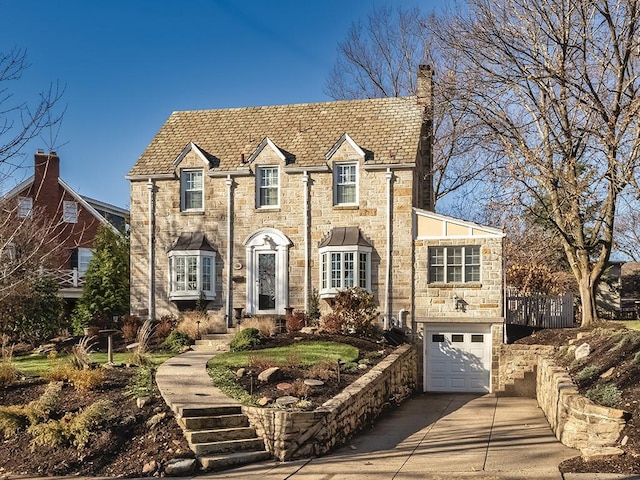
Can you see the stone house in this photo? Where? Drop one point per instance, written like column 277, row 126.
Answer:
column 255, row 209
column 72, row 220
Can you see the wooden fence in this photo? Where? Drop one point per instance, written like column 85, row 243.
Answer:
column 541, row 311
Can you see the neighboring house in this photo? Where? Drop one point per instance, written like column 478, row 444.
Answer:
column 73, row 220
column 618, row 292
column 258, row 208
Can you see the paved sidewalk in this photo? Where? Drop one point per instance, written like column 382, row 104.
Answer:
column 183, row 382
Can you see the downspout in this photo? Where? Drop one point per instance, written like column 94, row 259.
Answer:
column 229, row 306
column 307, row 240
column 152, row 250
column 389, row 177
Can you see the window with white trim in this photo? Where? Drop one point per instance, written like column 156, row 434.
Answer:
column 191, row 272
column 268, row 186
column 84, row 257
column 69, row 211
column 344, row 267
column 345, row 184
column 25, row 205
column 192, row 190
column 454, row 264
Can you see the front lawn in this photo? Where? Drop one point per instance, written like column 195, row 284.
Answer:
column 300, row 354
column 37, row 365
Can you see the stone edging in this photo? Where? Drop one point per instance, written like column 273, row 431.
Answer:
column 576, row 421
column 291, row 434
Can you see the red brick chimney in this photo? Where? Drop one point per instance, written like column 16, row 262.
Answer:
column 45, row 181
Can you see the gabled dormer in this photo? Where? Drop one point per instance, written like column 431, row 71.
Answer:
column 190, row 167
column 344, row 159
column 267, row 161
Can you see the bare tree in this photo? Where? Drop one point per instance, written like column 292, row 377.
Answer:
column 555, row 88
column 380, row 58
column 20, row 120
column 627, row 229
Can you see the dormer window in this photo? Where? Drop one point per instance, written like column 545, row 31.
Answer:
column 268, row 186
column 192, row 190
column 345, row 184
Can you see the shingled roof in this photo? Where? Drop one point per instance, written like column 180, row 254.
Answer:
column 387, row 129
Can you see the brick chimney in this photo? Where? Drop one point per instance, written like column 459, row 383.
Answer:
column 45, row 181
column 424, row 91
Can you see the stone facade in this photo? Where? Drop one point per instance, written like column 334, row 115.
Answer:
column 482, row 300
column 576, row 421
column 288, row 218
column 294, row 434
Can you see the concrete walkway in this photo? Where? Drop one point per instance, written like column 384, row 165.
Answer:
column 430, row 436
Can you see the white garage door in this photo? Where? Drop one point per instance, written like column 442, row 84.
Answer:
column 457, row 358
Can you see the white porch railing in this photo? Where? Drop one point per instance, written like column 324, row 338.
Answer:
column 65, row 278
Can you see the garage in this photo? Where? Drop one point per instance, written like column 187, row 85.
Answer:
column 457, row 358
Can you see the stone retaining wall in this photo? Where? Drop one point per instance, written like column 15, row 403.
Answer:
column 514, row 361
column 292, row 434
column 576, row 421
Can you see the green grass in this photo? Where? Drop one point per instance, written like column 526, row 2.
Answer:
column 632, row 324
column 308, row 353
column 40, row 364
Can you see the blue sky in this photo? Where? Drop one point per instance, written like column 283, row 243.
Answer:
column 127, row 64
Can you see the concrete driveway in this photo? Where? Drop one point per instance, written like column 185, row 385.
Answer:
column 437, row 436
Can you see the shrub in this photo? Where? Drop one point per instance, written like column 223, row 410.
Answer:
column 586, row 373
column 314, row 308
column 323, row 370
column 163, row 327
column 604, row 394
column 130, row 326
column 14, row 418
column 8, row 371
column 141, row 384
column 357, row 308
column 81, row 380
column 299, row 388
column 295, row 321
column 245, row 340
column 265, row 325
column 74, row 429
column 331, row 323
column 176, row 341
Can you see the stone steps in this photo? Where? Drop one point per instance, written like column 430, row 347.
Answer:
column 221, row 437
column 214, row 342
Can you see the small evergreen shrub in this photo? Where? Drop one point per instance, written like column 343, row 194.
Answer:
column 605, row 394
column 141, row 384
column 83, row 380
column 586, row 373
column 245, row 340
column 176, row 341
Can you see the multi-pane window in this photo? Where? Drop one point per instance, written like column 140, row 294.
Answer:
column 345, row 184
column 25, row 204
column 191, row 272
column 69, row 212
column 268, row 186
column 454, row 264
column 344, row 269
column 84, row 257
column 192, row 187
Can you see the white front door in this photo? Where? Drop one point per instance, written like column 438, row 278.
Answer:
column 457, row 358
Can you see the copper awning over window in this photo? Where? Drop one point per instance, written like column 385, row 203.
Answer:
column 344, row 236
column 193, row 241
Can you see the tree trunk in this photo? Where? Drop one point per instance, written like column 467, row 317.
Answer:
column 588, row 300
